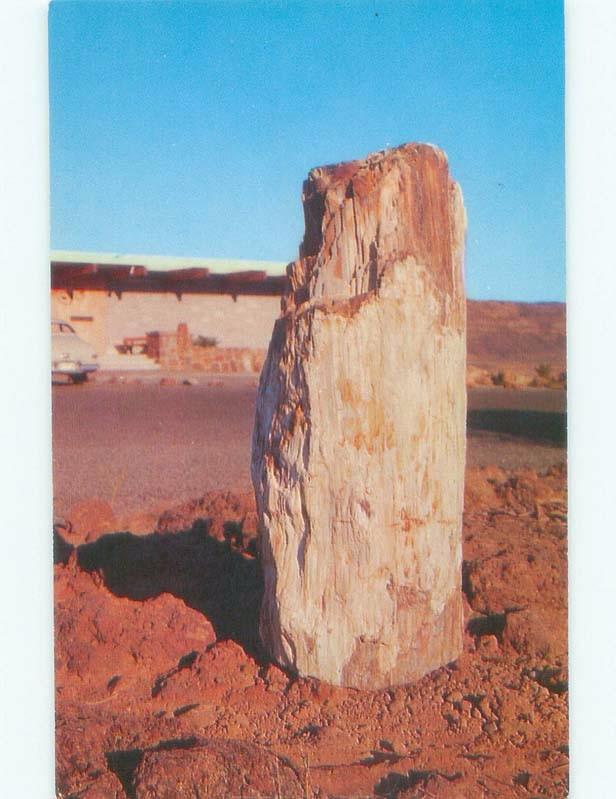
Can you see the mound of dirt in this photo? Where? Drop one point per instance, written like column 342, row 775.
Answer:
column 108, row 645
column 162, row 690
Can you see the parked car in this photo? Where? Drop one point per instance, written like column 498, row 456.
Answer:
column 70, row 355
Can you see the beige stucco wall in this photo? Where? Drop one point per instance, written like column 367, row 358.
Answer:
column 246, row 322
column 83, row 303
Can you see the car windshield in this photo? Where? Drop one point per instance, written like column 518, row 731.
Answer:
column 61, row 327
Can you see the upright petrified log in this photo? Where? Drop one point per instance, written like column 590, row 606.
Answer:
column 359, row 439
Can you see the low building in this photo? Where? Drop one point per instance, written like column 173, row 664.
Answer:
column 111, row 298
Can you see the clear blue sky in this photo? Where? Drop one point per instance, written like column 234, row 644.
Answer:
column 184, row 128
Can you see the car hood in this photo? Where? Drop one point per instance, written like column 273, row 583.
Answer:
column 67, row 346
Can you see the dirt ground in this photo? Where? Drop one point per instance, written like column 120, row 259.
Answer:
column 162, row 690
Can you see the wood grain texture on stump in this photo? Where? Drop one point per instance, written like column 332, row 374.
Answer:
column 359, row 440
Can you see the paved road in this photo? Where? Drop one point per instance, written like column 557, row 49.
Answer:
column 138, row 444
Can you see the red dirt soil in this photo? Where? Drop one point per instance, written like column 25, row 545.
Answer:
column 162, row 690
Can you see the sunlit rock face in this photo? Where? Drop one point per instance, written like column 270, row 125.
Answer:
column 359, row 440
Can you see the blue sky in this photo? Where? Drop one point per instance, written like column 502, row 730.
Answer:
column 188, row 128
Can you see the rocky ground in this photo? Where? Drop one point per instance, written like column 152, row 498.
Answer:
column 162, row 690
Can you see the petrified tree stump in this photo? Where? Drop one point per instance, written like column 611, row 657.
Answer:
column 359, row 439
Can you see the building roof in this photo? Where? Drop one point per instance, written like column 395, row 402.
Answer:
column 86, row 271
column 167, row 262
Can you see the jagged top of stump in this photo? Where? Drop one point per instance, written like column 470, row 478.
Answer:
column 398, row 204
column 322, row 177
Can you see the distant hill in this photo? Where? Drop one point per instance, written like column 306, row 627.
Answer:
column 516, row 335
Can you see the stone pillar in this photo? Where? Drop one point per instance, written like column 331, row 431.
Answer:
column 183, row 344
column 359, row 439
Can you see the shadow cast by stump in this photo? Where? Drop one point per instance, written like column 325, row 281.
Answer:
column 208, row 575
column 537, row 426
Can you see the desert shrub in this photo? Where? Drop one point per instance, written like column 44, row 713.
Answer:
column 544, row 370
column 498, row 379
column 205, row 341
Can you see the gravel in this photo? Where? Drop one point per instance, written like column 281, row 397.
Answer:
column 137, row 443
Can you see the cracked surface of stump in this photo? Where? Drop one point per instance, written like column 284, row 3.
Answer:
column 359, row 440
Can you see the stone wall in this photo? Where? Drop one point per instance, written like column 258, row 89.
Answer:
column 175, row 350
